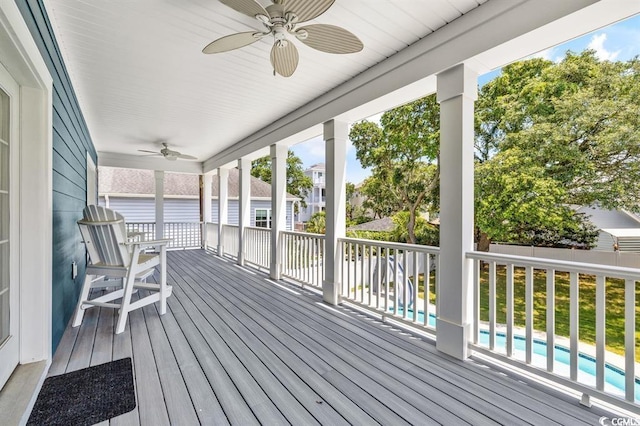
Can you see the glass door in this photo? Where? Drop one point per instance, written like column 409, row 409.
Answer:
column 9, row 345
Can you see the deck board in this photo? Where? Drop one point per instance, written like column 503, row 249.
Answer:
column 234, row 348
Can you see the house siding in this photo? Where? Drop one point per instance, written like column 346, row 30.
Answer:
column 71, row 145
column 136, row 209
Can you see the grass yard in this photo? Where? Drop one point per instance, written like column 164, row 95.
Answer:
column 587, row 294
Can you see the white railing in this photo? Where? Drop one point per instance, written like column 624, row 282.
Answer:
column 182, row 234
column 230, row 240
column 387, row 277
column 257, row 246
column 211, row 236
column 302, row 257
column 538, row 282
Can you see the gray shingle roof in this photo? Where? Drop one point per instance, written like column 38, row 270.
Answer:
column 131, row 182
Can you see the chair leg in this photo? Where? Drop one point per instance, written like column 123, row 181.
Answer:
column 84, row 295
column 129, row 281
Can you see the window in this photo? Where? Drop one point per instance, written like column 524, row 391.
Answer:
column 263, row 218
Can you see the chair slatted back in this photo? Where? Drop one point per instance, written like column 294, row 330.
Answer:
column 105, row 240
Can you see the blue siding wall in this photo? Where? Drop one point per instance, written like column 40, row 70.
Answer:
column 71, row 145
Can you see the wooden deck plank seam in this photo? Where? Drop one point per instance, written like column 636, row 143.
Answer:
column 582, row 413
column 390, row 394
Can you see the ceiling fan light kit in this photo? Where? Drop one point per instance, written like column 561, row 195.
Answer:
column 281, row 18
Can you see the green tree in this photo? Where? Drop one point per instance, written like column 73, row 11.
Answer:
column 578, row 119
column 298, row 183
column 550, row 135
column 317, row 223
column 402, row 152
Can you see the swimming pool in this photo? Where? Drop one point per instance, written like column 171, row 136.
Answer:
column 613, row 376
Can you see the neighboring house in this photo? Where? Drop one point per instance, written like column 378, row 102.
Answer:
column 617, row 229
column 316, row 198
column 132, row 193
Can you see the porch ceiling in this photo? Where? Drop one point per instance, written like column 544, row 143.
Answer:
column 141, row 78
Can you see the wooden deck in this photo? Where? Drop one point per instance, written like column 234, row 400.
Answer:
column 235, row 348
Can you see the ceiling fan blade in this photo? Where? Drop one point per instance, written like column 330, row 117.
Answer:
column 284, row 58
column 330, row 39
column 149, row 152
column 231, row 42
column 186, row 157
column 307, row 10
column 250, row 8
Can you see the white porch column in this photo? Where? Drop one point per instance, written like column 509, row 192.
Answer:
column 159, row 175
column 278, row 204
column 223, row 205
column 207, row 181
column 244, row 204
column 336, row 134
column 457, row 91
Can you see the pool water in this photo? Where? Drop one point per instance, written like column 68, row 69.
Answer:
column 614, row 377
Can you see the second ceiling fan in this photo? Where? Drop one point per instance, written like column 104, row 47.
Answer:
column 281, row 18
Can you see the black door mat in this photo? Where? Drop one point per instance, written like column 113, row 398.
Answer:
column 86, row 396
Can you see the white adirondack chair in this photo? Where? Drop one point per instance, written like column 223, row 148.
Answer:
column 114, row 256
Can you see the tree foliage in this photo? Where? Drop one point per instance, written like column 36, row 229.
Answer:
column 317, row 223
column 402, row 153
column 551, row 135
column 298, row 183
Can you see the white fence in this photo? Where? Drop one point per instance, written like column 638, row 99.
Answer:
column 257, row 246
column 302, row 257
column 520, row 273
column 398, row 280
column 182, row 234
column 611, row 258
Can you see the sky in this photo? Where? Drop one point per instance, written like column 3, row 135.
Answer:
column 619, row 41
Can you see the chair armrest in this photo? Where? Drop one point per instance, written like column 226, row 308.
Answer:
column 150, row 243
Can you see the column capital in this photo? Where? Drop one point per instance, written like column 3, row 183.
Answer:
column 460, row 80
column 335, row 129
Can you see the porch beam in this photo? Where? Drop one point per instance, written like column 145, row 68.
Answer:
column 335, row 135
column 278, row 203
column 223, row 206
column 244, row 204
column 457, row 91
column 159, row 205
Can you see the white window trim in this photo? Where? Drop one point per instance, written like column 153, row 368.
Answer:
column 21, row 57
column 269, row 217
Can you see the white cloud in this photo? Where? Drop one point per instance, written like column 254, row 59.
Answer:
column 597, row 44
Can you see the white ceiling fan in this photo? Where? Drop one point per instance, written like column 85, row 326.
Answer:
column 280, row 18
column 169, row 154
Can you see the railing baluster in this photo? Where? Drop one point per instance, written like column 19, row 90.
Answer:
column 551, row 317
column 416, row 285
column 476, row 300
column 370, row 277
column 361, row 253
column 600, row 331
column 405, row 280
column 529, row 313
column 395, row 282
column 426, row 285
column 509, row 302
column 492, row 305
column 629, row 339
column 574, row 319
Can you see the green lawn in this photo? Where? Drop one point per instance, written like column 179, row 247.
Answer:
column 587, row 295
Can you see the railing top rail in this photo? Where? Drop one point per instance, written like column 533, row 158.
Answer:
column 304, row 234
column 179, row 223
column 392, row 245
column 561, row 265
column 227, row 225
column 258, row 228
